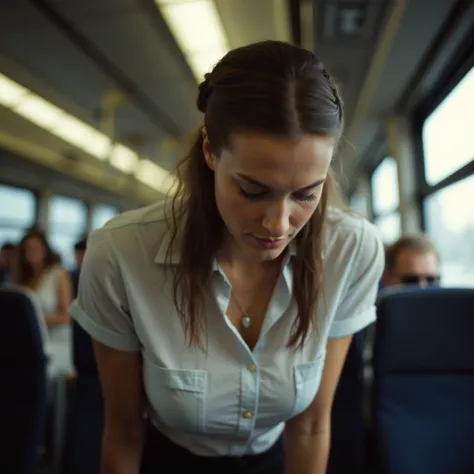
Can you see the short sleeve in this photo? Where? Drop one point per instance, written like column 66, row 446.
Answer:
column 101, row 305
column 357, row 307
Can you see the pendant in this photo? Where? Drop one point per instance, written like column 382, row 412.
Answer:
column 246, row 321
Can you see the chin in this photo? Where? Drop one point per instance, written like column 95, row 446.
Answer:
column 267, row 255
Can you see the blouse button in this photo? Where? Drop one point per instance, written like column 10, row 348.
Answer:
column 247, row 414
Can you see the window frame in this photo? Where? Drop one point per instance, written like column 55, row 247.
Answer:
column 459, row 66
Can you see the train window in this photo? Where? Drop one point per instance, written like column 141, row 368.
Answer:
column 385, row 199
column 67, row 223
column 389, row 227
column 17, row 213
column 450, row 224
column 102, row 214
column 385, row 187
column 10, row 234
column 359, row 204
column 448, row 140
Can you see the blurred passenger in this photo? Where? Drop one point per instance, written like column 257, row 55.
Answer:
column 412, row 260
column 79, row 251
column 37, row 271
column 232, row 306
column 7, row 254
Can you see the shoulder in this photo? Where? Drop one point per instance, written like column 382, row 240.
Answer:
column 57, row 273
column 349, row 230
column 133, row 238
column 353, row 265
column 150, row 217
column 133, row 232
column 354, row 242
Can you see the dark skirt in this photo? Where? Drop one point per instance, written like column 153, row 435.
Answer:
column 162, row 456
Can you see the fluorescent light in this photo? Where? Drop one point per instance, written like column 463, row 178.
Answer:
column 10, row 92
column 97, row 144
column 198, row 30
column 50, row 117
column 156, row 177
column 39, row 111
column 123, row 158
column 72, row 130
column 196, row 25
column 82, row 136
column 204, row 62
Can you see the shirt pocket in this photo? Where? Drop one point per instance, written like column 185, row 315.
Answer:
column 177, row 396
column 307, row 377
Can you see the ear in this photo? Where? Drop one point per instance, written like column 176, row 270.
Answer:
column 206, row 150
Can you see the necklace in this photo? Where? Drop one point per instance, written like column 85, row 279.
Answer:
column 245, row 320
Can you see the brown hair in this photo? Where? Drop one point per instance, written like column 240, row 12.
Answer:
column 419, row 243
column 23, row 274
column 269, row 87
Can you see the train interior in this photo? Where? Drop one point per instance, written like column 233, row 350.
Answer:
column 97, row 106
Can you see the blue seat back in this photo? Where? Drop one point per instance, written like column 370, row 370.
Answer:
column 23, row 381
column 347, row 420
column 424, row 381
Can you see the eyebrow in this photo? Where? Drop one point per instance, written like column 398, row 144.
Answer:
column 265, row 186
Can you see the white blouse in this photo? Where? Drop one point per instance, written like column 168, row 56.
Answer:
column 60, row 336
column 229, row 401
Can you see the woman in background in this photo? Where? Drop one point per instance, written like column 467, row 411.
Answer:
column 37, row 270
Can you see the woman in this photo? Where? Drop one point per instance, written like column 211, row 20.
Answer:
column 231, row 308
column 38, row 271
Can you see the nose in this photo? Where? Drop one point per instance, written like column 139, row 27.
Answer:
column 276, row 219
column 423, row 283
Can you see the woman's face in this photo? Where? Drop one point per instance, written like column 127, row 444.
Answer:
column 35, row 252
column 267, row 188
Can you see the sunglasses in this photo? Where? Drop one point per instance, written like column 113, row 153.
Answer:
column 417, row 280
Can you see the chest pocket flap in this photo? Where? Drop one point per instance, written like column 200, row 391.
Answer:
column 177, row 397
column 186, row 380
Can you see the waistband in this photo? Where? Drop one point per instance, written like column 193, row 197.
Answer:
column 162, row 453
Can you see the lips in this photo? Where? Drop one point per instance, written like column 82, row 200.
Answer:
column 269, row 243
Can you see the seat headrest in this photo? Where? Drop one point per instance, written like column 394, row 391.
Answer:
column 21, row 344
column 425, row 330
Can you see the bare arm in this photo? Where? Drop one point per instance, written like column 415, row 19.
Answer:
column 307, row 436
column 64, row 290
column 121, row 381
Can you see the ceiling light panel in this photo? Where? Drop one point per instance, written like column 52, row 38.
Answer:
column 81, row 135
column 123, row 158
column 197, row 28
column 10, row 91
column 39, row 111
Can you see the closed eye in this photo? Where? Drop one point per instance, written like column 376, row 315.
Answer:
column 256, row 191
column 306, row 197
column 259, row 195
column 251, row 190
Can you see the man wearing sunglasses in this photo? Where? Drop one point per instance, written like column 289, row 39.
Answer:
column 412, row 260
